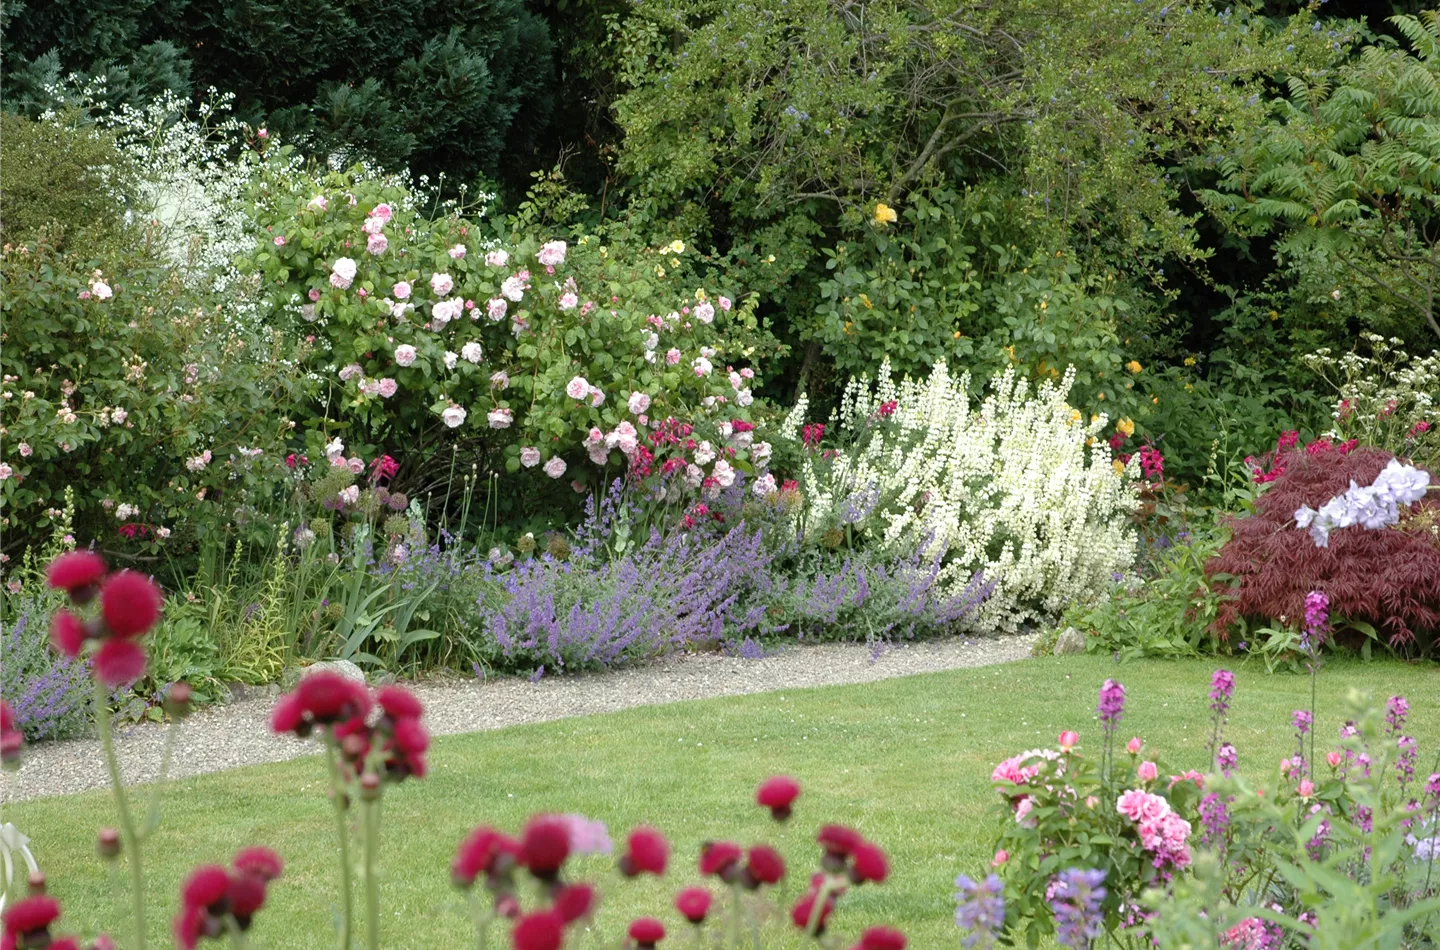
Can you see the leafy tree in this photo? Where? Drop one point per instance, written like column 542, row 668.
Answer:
column 439, row 87
column 1350, row 169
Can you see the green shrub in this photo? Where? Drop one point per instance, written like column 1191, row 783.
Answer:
column 63, row 182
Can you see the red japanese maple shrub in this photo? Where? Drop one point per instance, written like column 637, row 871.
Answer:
column 1389, row 578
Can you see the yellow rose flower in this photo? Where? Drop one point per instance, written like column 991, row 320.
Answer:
column 1134, row 366
column 1127, row 426
column 1189, row 361
column 884, row 214
column 676, row 247
column 866, row 301
column 1119, row 467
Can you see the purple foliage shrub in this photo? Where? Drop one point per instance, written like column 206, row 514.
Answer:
column 49, row 692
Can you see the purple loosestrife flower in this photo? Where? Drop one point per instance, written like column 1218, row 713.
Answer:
column 1317, row 621
column 1222, row 687
column 1075, row 898
column 1215, row 819
column 1112, row 704
column 1301, row 720
column 1405, row 763
column 1226, row 758
column 1396, row 709
column 980, row 911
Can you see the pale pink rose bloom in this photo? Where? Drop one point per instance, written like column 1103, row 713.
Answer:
column 372, row 226
column 314, row 295
column 500, row 418
column 471, row 352
column 441, row 284
column 672, row 356
column 555, row 467
column 705, row 312
column 101, row 290
column 744, row 398
column 694, row 475
column 5, row 471
column 25, row 450
column 639, row 402
column 350, row 495
column 500, row 379
column 568, row 301
column 594, row 436
column 1147, row 771
column 736, row 380
column 457, row 252
column 383, row 212
column 318, row 203
column 453, row 416
column 529, row 456
column 377, row 244
column 279, row 240
column 1132, row 804
column 577, row 388
column 599, row 453
column 356, row 466
column 552, row 253
column 765, row 486
column 451, row 358
column 597, row 397
column 1022, row 813
column 405, row 354
column 342, row 272
column 513, row 288
column 704, row 453
column 388, row 388
column 748, row 373
column 725, row 303
column 701, row 366
column 86, row 295
column 497, row 258
column 495, row 308
column 401, row 290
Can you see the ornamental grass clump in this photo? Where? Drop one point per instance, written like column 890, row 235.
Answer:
column 1387, row 578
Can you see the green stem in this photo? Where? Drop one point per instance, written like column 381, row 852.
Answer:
column 238, row 940
column 481, row 920
column 818, row 908
column 152, row 813
column 337, row 794
column 737, row 908
column 372, row 883
column 122, row 807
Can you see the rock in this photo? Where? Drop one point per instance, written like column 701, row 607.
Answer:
column 1070, row 642
column 344, row 667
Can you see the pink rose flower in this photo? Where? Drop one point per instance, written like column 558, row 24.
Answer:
column 672, row 356
column 279, row 240
column 529, row 456
column 457, row 252
column 388, row 387
column 401, row 290
column 377, row 244
column 405, row 354
column 1147, row 771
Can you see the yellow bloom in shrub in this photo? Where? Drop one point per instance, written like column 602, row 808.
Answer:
column 1119, row 467
column 866, row 301
column 676, row 247
column 884, row 214
column 1074, row 416
column 1189, row 361
column 1134, row 366
column 1126, row 426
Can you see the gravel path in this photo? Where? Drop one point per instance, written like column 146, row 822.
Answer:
column 237, row 734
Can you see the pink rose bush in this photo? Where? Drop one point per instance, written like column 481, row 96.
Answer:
column 585, row 337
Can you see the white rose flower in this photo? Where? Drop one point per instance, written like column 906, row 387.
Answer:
column 555, row 467
column 529, row 456
column 723, row 473
column 552, row 253
column 499, row 418
column 704, row 453
column 497, row 258
column 342, row 273
column 405, row 354
column 512, row 288
column 639, row 402
column 453, row 416
column 577, row 388
column 451, row 359
column 471, row 352
column 441, row 284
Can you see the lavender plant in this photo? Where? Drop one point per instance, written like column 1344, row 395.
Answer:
column 48, row 692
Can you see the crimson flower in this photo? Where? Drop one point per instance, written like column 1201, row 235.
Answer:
column 648, row 853
column 67, row 633
column 484, row 851
column 576, row 902
column 75, row 572
column 260, row 862
column 778, row 794
column 693, row 903
column 329, row 697
column 647, row 932
column 119, row 662
column 130, row 603
column 804, row 909
column 26, row 918
column 206, row 887
column 720, row 858
column 765, row 866
column 398, row 703
column 868, row 863
column 544, row 846
column 881, row 938
column 11, row 739
column 541, row 931
column 838, row 840
column 247, row 895
column 191, row 924
column 409, row 740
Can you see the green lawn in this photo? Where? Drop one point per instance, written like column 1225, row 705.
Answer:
column 906, row 761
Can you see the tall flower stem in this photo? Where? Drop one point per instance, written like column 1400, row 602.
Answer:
column 122, row 807
column 817, row 911
column 481, row 917
column 152, row 813
column 337, row 796
column 371, row 808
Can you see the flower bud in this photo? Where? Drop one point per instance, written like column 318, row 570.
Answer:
column 108, row 843
column 1307, row 788
column 1133, row 746
column 1333, row 759
column 1069, row 739
column 1147, row 771
column 177, row 701
column 37, row 883
column 370, row 787
column 1001, row 857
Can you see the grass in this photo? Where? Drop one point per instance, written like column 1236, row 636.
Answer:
column 905, row 761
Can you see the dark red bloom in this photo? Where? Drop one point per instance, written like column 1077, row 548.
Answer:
column 868, row 863
column 410, row 740
column 206, row 886
column 576, row 902
column 647, row 931
column 31, row 915
column 76, row 570
column 67, row 633
column 329, row 697
column 544, row 846
column 11, row 739
column 881, row 938
column 261, row 862
column 648, row 853
column 189, row 927
column 130, row 603
column 838, row 840
column 119, row 662
column 398, row 703
column 480, row 853
column 288, row 715
column 778, row 794
column 542, row 931
column 765, row 865
column 693, row 903
column 719, row 857
column 804, row 909
column 247, row 895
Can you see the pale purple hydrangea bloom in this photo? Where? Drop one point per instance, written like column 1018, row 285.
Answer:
column 980, row 911
column 1075, row 898
column 1372, row 507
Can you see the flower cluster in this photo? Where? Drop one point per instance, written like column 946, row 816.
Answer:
column 1373, row 506
column 129, row 607
column 391, row 748
column 216, row 902
column 27, row 923
column 1162, row 832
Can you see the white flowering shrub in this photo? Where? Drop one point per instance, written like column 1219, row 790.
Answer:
column 1016, row 487
column 1388, row 399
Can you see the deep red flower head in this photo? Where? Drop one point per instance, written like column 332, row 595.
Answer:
column 693, row 903
column 647, row 931
column 479, row 854
column 881, row 938
column 130, row 603
column 247, row 895
column 765, row 865
column 261, row 862
column 76, row 570
column 119, row 662
column 67, row 633
column 288, row 715
column 542, row 931
column 544, row 846
column 868, row 863
column 11, row 739
column 31, row 915
column 576, row 902
column 800, row 914
column 648, row 853
column 329, row 697
column 189, row 927
column 398, row 703
column 409, row 742
column 718, row 857
column 778, row 794
column 206, row 886
column 7, row 717
column 838, row 840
